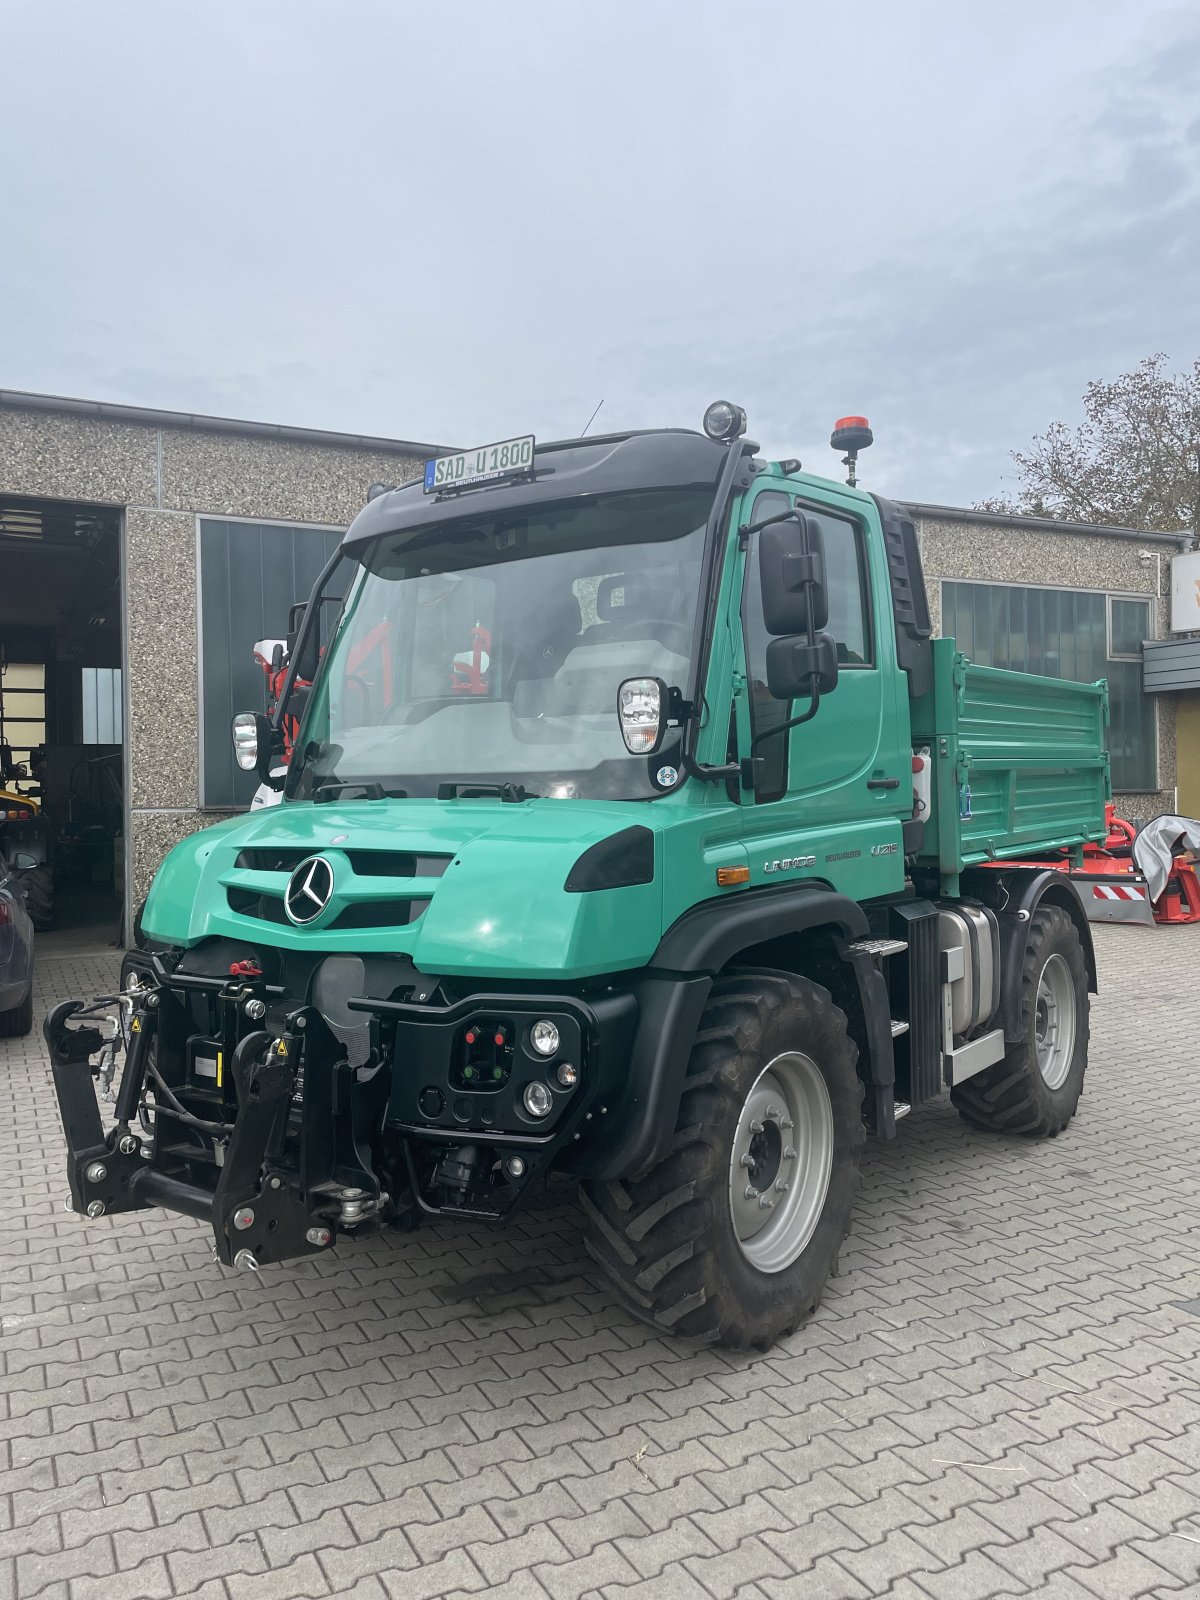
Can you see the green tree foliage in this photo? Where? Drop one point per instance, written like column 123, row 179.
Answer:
column 1133, row 463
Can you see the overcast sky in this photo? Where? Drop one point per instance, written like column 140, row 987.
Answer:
column 461, row 221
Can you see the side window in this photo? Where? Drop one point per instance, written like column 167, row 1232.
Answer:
column 845, row 577
column 765, row 712
column 849, row 625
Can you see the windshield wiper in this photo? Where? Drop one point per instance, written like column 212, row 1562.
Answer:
column 325, row 789
column 511, row 793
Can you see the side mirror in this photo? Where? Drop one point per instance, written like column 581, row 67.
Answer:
column 801, row 658
column 791, row 564
column 253, row 745
column 794, row 666
column 24, row 862
column 642, row 705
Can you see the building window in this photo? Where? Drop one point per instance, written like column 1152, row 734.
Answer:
column 101, row 705
column 1066, row 633
column 23, row 707
column 251, row 574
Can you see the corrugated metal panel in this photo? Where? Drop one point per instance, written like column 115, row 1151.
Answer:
column 1170, row 664
column 250, row 574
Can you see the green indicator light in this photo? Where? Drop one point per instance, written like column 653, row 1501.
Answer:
column 497, row 1072
column 468, row 1072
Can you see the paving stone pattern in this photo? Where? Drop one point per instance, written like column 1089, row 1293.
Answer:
column 1000, row 1395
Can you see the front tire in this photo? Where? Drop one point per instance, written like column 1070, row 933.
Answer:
column 1035, row 1090
column 39, row 896
column 772, row 1103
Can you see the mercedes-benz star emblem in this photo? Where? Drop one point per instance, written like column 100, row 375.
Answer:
column 309, row 889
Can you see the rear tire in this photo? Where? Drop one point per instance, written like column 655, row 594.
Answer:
column 772, row 1102
column 1035, row 1090
column 16, row 1023
column 39, row 896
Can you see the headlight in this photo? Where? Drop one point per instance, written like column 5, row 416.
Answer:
column 543, row 1036
column 724, row 420
column 642, row 714
column 567, row 1075
column 538, row 1099
column 246, row 740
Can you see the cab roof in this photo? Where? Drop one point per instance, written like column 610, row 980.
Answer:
column 667, row 458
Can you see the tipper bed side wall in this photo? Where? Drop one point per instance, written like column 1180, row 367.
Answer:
column 1019, row 764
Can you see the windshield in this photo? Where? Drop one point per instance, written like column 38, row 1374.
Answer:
column 491, row 651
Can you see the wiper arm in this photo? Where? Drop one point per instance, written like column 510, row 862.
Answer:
column 325, row 789
column 511, row 793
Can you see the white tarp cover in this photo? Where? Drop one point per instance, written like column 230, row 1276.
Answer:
column 1153, row 847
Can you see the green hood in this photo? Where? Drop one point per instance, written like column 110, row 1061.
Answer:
column 462, row 886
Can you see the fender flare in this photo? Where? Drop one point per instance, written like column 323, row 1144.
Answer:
column 1014, row 896
column 672, row 990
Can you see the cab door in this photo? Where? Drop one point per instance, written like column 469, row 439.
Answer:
column 835, row 788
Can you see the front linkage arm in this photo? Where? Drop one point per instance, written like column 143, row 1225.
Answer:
column 278, row 1193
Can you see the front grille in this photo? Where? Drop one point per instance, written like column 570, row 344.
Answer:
column 249, row 903
column 365, row 863
column 379, row 914
column 396, row 864
column 267, row 860
column 363, row 914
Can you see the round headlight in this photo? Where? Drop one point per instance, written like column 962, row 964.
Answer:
column 538, row 1099
column 543, row 1036
column 724, row 420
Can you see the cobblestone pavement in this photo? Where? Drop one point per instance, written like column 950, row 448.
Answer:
column 1000, row 1395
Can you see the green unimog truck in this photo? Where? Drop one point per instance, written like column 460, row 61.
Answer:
column 637, row 829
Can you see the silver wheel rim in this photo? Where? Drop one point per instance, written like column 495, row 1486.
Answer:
column 1054, row 1022
column 781, row 1162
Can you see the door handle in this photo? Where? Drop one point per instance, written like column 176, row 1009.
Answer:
column 883, row 783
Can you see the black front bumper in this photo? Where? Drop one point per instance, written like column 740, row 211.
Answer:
column 243, row 1112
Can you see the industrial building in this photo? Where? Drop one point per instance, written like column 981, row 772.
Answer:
column 143, row 552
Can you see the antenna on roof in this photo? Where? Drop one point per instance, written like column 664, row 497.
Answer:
column 591, row 419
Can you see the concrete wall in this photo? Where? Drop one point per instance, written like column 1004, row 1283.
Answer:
column 995, row 553
column 163, row 478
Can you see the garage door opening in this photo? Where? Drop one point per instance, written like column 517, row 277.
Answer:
column 62, row 731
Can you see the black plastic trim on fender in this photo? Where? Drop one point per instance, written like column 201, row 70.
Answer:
column 1014, row 896
column 639, row 1127
column 618, row 862
column 706, row 938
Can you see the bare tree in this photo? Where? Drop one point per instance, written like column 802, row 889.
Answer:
column 1134, row 463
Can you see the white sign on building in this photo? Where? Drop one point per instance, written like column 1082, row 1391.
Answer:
column 1185, row 593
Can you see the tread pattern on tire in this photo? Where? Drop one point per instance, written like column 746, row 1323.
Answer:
column 1012, row 1096
column 39, row 897
column 653, row 1235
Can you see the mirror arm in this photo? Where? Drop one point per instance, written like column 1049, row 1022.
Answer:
column 706, row 774
column 792, row 722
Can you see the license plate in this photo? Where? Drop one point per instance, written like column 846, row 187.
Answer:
column 510, row 458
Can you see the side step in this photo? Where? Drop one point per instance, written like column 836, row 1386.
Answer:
column 880, row 947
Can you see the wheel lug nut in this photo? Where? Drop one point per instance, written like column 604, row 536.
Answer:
column 746, row 1161
column 790, row 1153
column 756, row 1127
column 751, row 1192
column 782, row 1186
column 765, row 1202
column 787, row 1123
column 774, row 1113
